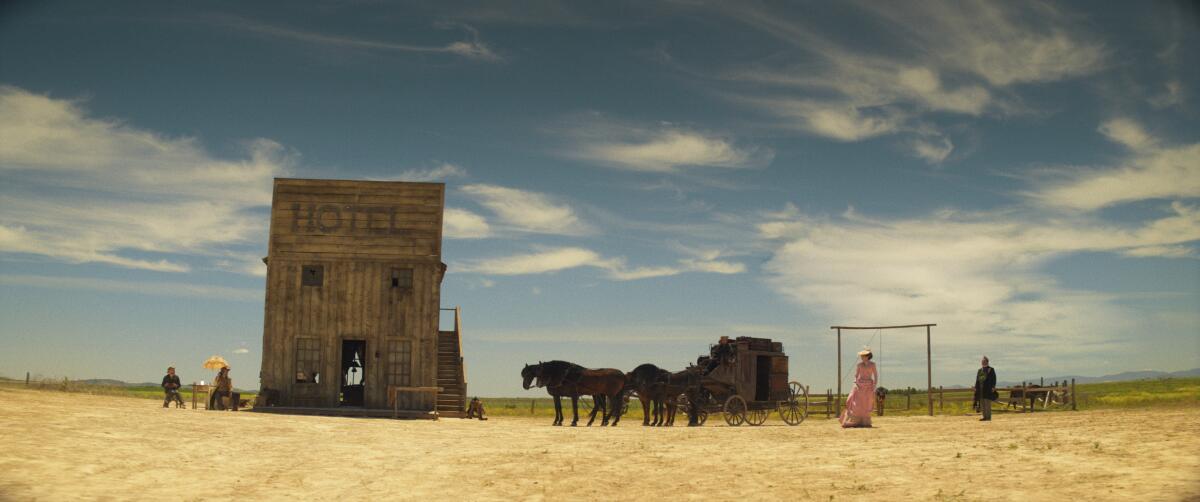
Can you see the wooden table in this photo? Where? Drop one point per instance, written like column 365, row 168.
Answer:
column 395, row 389
column 196, row 389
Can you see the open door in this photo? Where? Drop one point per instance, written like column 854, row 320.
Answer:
column 354, row 354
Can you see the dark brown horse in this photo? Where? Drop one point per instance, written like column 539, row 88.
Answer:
column 649, row 381
column 564, row 379
column 683, row 383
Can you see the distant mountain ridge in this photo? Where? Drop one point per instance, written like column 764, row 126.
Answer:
column 1117, row 377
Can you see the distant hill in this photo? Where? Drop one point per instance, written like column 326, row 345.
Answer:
column 112, row 383
column 1118, row 377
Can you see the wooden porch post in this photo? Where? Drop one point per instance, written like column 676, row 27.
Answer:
column 837, row 406
column 929, row 371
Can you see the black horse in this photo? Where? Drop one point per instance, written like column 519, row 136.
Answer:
column 561, row 378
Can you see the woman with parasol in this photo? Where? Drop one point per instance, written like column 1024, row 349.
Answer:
column 222, row 384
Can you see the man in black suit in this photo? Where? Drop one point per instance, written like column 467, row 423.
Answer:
column 985, row 389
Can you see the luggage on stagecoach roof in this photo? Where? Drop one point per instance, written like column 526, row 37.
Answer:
column 763, row 344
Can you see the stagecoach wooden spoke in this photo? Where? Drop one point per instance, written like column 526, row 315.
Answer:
column 735, row 410
column 794, row 410
column 757, row 416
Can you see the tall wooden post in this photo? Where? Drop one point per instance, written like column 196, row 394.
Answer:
column 929, row 371
column 1074, row 396
column 837, row 406
column 27, row 379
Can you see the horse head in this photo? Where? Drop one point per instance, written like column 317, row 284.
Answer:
column 528, row 373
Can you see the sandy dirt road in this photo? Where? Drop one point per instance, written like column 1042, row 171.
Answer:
column 70, row 446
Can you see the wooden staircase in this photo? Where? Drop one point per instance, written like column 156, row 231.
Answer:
column 451, row 371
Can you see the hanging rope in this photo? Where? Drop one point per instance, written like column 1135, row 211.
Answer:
column 878, row 333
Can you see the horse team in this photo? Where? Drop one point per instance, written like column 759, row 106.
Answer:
column 660, row 391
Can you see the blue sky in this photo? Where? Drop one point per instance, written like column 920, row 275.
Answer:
column 626, row 182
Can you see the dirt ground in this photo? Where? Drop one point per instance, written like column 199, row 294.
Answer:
column 61, row 446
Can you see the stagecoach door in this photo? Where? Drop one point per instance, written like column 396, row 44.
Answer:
column 354, row 356
column 762, row 378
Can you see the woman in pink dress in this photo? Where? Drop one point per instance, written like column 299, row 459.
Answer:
column 861, row 401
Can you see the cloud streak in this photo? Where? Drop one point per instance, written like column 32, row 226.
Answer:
column 81, row 189
column 943, row 58
column 1151, row 171
column 471, row 48
column 172, row 289
column 982, row 275
column 672, row 149
column 552, row 260
column 526, row 211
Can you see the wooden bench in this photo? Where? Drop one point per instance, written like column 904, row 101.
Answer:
column 393, row 390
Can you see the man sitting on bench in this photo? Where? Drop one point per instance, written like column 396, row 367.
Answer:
column 170, row 385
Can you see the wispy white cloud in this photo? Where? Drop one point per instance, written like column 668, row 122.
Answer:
column 670, row 149
column 471, row 48
column 932, row 150
column 551, row 260
column 938, row 58
column 1151, row 171
column 82, row 189
column 1004, row 43
column 1172, row 95
column 527, row 211
column 241, row 350
column 981, row 275
column 659, row 148
column 463, row 224
column 440, row 172
column 156, row 288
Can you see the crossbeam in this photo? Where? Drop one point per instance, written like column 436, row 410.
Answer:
column 928, row 357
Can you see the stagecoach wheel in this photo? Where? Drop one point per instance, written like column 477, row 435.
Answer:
column 756, row 417
column 735, row 410
column 795, row 409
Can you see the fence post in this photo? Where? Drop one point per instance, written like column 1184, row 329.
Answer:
column 941, row 398
column 828, row 403
column 1074, row 398
column 908, row 400
column 27, row 379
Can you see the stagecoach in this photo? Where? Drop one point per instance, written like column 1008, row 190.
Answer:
column 745, row 379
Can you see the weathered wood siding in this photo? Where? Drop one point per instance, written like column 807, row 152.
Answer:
column 359, row 232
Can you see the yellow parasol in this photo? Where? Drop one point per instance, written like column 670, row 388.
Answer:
column 215, row 363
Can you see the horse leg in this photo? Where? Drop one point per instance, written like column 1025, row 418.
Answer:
column 609, row 411
column 558, row 414
column 619, row 407
column 574, row 411
column 645, row 409
column 597, row 403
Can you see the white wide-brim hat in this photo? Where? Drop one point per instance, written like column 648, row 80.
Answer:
column 864, row 352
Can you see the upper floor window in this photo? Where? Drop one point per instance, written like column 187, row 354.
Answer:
column 312, row 275
column 402, row 278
